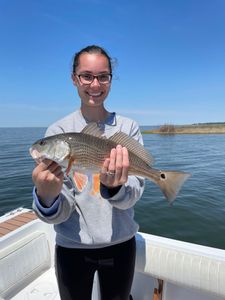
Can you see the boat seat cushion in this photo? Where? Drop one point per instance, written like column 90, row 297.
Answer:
column 22, row 262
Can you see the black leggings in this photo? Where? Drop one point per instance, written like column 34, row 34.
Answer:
column 75, row 269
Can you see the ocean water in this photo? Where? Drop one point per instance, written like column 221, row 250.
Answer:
column 198, row 213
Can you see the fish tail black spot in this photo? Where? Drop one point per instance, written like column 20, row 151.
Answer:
column 163, row 175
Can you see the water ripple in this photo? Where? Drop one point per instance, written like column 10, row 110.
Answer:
column 197, row 215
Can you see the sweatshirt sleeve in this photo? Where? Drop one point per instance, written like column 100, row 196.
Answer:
column 133, row 189
column 62, row 208
column 128, row 195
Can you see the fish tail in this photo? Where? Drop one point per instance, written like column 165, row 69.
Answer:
column 170, row 183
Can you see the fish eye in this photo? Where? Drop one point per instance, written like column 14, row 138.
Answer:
column 42, row 142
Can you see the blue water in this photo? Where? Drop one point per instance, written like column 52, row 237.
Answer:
column 198, row 213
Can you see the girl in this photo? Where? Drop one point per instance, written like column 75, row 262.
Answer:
column 94, row 225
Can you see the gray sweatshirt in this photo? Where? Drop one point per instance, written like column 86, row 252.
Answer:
column 85, row 215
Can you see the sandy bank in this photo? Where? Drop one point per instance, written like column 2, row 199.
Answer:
column 191, row 129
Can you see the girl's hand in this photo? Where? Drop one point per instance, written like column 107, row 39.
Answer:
column 48, row 179
column 115, row 168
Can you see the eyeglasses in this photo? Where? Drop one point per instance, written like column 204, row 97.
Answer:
column 86, row 78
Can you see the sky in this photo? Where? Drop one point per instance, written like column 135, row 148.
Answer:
column 170, row 58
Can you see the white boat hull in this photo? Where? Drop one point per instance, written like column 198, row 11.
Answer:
column 166, row 269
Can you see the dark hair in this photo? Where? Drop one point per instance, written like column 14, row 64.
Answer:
column 91, row 49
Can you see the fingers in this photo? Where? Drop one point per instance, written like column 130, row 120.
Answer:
column 126, row 164
column 48, row 179
column 115, row 168
column 118, row 162
column 104, row 171
column 47, row 170
column 50, row 166
column 112, row 162
column 55, row 169
column 47, row 164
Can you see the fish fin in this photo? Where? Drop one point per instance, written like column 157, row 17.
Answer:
column 70, row 163
column 170, row 183
column 93, row 129
column 121, row 138
column 80, row 181
column 96, row 184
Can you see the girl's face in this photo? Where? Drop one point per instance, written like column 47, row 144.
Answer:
column 94, row 93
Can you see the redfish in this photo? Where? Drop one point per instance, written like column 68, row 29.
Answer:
column 86, row 151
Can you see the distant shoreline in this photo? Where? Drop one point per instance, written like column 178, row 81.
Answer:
column 204, row 128
column 167, row 129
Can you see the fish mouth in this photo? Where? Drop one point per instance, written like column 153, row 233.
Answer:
column 37, row 156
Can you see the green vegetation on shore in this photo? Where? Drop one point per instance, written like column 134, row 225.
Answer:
column 200, row 128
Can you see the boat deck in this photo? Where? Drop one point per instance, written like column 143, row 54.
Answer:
column 14, row 223
column 165, row 269
column 44, row 287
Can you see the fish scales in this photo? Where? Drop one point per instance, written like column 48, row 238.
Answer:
column 92, row 149
column 89, row 150
column 86, row 151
